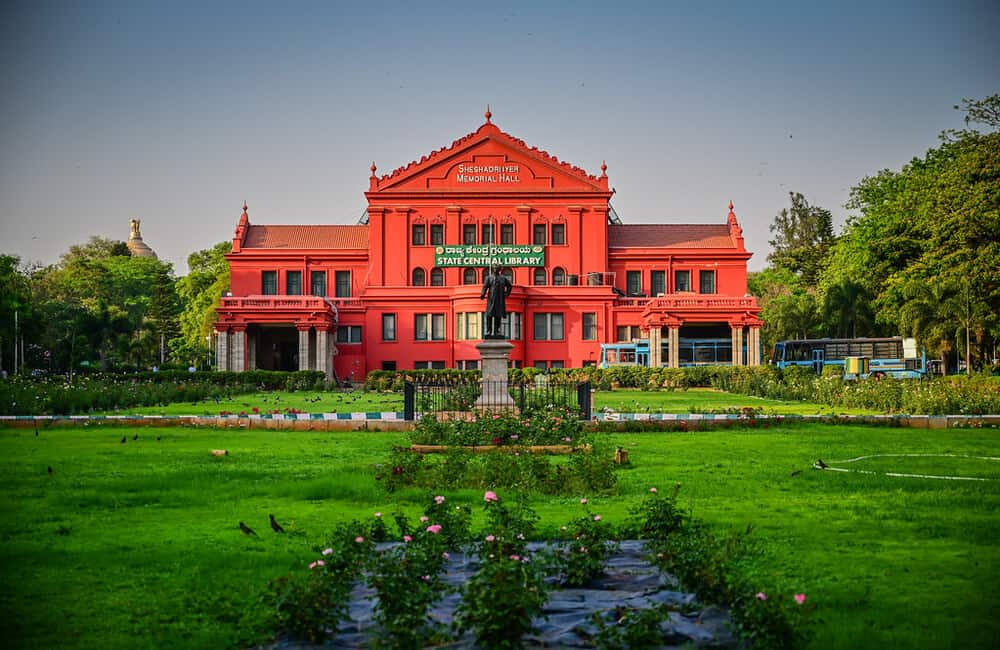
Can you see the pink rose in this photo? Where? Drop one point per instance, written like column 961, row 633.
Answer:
column 407, row 538
column 653, row 490
column 761, row 595
column 327, row 551
column 439, row 500
column 490, row 496
column 515, row 557
column 436, row 528
column 423, row 519
column 320, row 563
column 359, row 539
column 312, row 565
column 490, row 538
column 445, row 555
column 800, row 598
column 584, row 500
column 597, row 517
column 378, row 515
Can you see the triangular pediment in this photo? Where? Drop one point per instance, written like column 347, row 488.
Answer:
column 489, row 160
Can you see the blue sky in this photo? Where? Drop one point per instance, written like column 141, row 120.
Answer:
column 176, row 112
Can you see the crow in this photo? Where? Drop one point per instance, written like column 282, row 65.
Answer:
column 275, row 526
column 796, row 472
column 820, row 464
column 246, row 530
column 135, row 437
column 36, row 430
column 157, row 438
column 124, row 439
column 50, row 470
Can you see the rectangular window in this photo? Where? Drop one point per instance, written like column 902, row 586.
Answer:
column 388, row 327
column 657, row 283
column 388, row 365
column 622, row 333
column 293, row 283
column 633, row 283
column 437, row 234
column 682, row 280
column 318, row 281
column 706, row 281
column 343, row 280
column 428, row 327
column 541, row 365
column 348, row 334
column 467, row 365
column 473, row 327
column 626, row 333
column 419, row 237
column 549, row 326
column 558, row 233
column 469, row 233
column 487, row 237
column 538, row 234
column 589, row 326
column 269, row 283
column 557, row 363
column 428, row 365
column 506, row 233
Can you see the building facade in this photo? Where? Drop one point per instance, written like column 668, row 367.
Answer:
column 401, row 290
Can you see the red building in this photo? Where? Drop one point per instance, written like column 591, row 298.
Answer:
column 401, row 289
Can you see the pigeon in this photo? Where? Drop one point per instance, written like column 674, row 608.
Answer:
column 246, row 530
column 820, row 464
column 275, row 526
column 124, row 440
column 796, row 472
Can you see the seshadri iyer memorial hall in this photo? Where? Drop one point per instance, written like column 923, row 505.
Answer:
column 401, row 289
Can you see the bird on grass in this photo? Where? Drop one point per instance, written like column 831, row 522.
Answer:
column 246, row 530
column 135, row 437
column 796, row 472
column 820, row 464
column 36, row 430
column 50, row 470
column 275, row 526
column 124, row 440
column 157, row 438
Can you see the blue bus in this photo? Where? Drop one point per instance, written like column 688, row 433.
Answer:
column 878, row 357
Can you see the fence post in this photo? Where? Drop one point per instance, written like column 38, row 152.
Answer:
column 520, row 397
column 408, row 401
column 583, row 399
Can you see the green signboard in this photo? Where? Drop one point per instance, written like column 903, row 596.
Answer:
column 489, row 254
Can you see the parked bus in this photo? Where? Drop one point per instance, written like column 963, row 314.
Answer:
column 862, row 357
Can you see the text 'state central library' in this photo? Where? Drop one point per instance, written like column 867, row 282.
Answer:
column 401, row 289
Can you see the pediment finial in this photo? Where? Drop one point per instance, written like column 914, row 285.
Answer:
column 244, row 206
column 373, row 168
column 488, row 114
column 604, row 168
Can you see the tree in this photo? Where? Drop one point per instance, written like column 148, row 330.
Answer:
column 803, row 236
column 15, row 297
column 200, row 291
column 847, row 310
column 789, row 309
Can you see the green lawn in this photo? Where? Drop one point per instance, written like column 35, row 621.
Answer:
column 696, row 400
column 136, row 545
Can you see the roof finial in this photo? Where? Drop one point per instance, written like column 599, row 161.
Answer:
column 488, row 114
column 373, row 168
column 730, row 205
column 604, row 168
column 244, row 206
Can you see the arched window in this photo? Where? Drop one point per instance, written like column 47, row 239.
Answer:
column 419, row 277
column 559, row 276
column 469, row 276
column 539, row 276
column 437, row 277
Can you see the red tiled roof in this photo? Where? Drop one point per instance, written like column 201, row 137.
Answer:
column 317, row 236
column 669, row 236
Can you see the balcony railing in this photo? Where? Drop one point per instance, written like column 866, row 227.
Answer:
column 700, row 302
column 292, row 303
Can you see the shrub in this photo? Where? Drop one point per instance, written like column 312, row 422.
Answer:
column 585, row 557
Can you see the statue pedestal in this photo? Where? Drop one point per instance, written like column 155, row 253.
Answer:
column 494, row 354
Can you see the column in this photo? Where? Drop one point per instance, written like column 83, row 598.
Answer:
column 753, row 352
column 324, row 358
column 675, row 344
column 304, row 347
column 737, row 333
column 237, row 345
column 654, row 346
column 222, row 350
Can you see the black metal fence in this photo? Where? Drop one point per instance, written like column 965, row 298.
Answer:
column 523, row 397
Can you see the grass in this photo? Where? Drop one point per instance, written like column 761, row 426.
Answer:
column 695, row 400
column 136, row 545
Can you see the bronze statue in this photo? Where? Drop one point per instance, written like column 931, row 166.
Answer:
column 496, row 284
